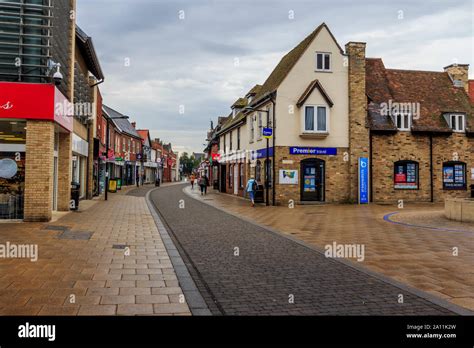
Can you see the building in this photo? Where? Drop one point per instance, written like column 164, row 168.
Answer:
column 307, row 133
column 36, row 136
column 148, row 157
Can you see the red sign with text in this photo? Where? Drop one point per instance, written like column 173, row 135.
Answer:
column 35, row 101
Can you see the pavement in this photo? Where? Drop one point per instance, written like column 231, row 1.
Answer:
column 413, row 245
column 106, row 259
column 244, row 268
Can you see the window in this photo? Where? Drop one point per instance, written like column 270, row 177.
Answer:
column 230, row 140
column 323, row 61
column 231, row 170
column 454, row 176
column 403, row 122
column 238, row 138
column 259, row 125
column 251, row 129
column 456, row 122
column 225, row 149
column 315, row 119
column 258, row 172
column 406, row 175
column 241, row 178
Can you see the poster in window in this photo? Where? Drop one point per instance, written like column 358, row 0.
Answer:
column 309, row 184
column 406, row 176
column 454, row 177
column 288, row 177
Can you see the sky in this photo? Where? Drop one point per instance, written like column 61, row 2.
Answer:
column 173, row 66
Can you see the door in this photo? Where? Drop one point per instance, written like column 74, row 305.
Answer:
column 236, row 179
column 223, row 178
column 312, row 180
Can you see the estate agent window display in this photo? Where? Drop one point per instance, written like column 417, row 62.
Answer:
column 406, row 175
column 454, row 176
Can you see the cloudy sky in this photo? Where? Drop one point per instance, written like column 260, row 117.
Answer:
column 175, row 65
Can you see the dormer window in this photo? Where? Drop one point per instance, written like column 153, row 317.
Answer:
column 323, row 61
column 403, row 122
column 457, row 122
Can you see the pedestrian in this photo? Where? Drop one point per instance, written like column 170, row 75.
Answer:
column 192, row 181
column 203, row 181
column 251, row 188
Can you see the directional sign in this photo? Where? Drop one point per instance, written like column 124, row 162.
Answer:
column 363, row 180
column 267, row 133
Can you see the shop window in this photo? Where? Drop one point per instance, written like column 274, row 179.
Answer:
column 315, row 119
column 241, row 177
column 231, row 170
column 406, row 175
column 454, row 176
column 258, row 172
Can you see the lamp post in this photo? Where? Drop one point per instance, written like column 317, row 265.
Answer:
column 267, row 161
column 107, row 141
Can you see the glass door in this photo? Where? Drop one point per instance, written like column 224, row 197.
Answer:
column 312, row 180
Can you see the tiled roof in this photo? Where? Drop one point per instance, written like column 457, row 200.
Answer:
column 312, row 85
column 122, row 124
column 240, row 103
column 286, row 64
column 434, row 91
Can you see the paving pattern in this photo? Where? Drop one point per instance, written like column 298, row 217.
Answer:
column 244, row 269
column 83, row 267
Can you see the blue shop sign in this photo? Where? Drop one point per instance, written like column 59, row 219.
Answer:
column 328, row 151
column 262, row 153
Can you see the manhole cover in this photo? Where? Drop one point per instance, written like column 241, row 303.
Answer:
column 119, row 246
column 75, row 235
column 55, row 228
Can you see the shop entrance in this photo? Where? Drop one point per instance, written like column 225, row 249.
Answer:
column 312, row 180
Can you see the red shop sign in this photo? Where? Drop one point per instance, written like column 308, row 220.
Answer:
column 35, row 101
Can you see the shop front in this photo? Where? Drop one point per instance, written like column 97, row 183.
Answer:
column 35, row 151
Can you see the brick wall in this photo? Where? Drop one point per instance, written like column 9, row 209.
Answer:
column 39, row 170
column 337, row 179
column 387, row 149
column 64, row 171
column 358, row 130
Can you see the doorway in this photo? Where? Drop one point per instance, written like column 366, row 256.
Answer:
column 223, row 178
column 312, row 180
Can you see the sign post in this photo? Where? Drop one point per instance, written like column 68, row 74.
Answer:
column 363, row 180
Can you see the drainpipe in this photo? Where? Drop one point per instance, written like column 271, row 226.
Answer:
column 273, row 155
column 431, row 168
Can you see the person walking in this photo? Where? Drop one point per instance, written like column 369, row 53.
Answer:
column 203, row 182
column 193, row 177
column 251, row 188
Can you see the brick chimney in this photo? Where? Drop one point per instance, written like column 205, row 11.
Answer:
column 134, row 124
column 358, row 130
column 459, row 73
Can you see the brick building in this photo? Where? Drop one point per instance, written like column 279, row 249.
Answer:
column 330, row 111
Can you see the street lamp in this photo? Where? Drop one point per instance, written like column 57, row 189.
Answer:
column 252, row 109
column 107, row 137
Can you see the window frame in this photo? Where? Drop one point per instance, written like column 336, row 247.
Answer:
column 324, row 68
column 453, row 164
column 402, row 116
column 405, row 163
column 315, row 120
column 241, row 175
column 457, row 116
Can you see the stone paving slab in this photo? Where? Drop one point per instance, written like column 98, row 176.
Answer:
column 272, row 275
column 418, row 252
column 89, row 276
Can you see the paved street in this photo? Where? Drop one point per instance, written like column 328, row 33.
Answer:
column 244, row 269
column 106, row 259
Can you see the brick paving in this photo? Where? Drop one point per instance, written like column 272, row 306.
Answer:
column 89, row 277
column 421, row 257
column 271, row 270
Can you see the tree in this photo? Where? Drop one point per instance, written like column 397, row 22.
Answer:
column 188, row 163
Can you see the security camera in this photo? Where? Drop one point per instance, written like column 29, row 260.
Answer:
column 58, row 77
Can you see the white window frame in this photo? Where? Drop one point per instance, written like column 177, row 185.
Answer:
column 259, row 125
column 460, row 126
column 404, row 127
column 303, row 119
column 324, row 54
column 251, row 129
